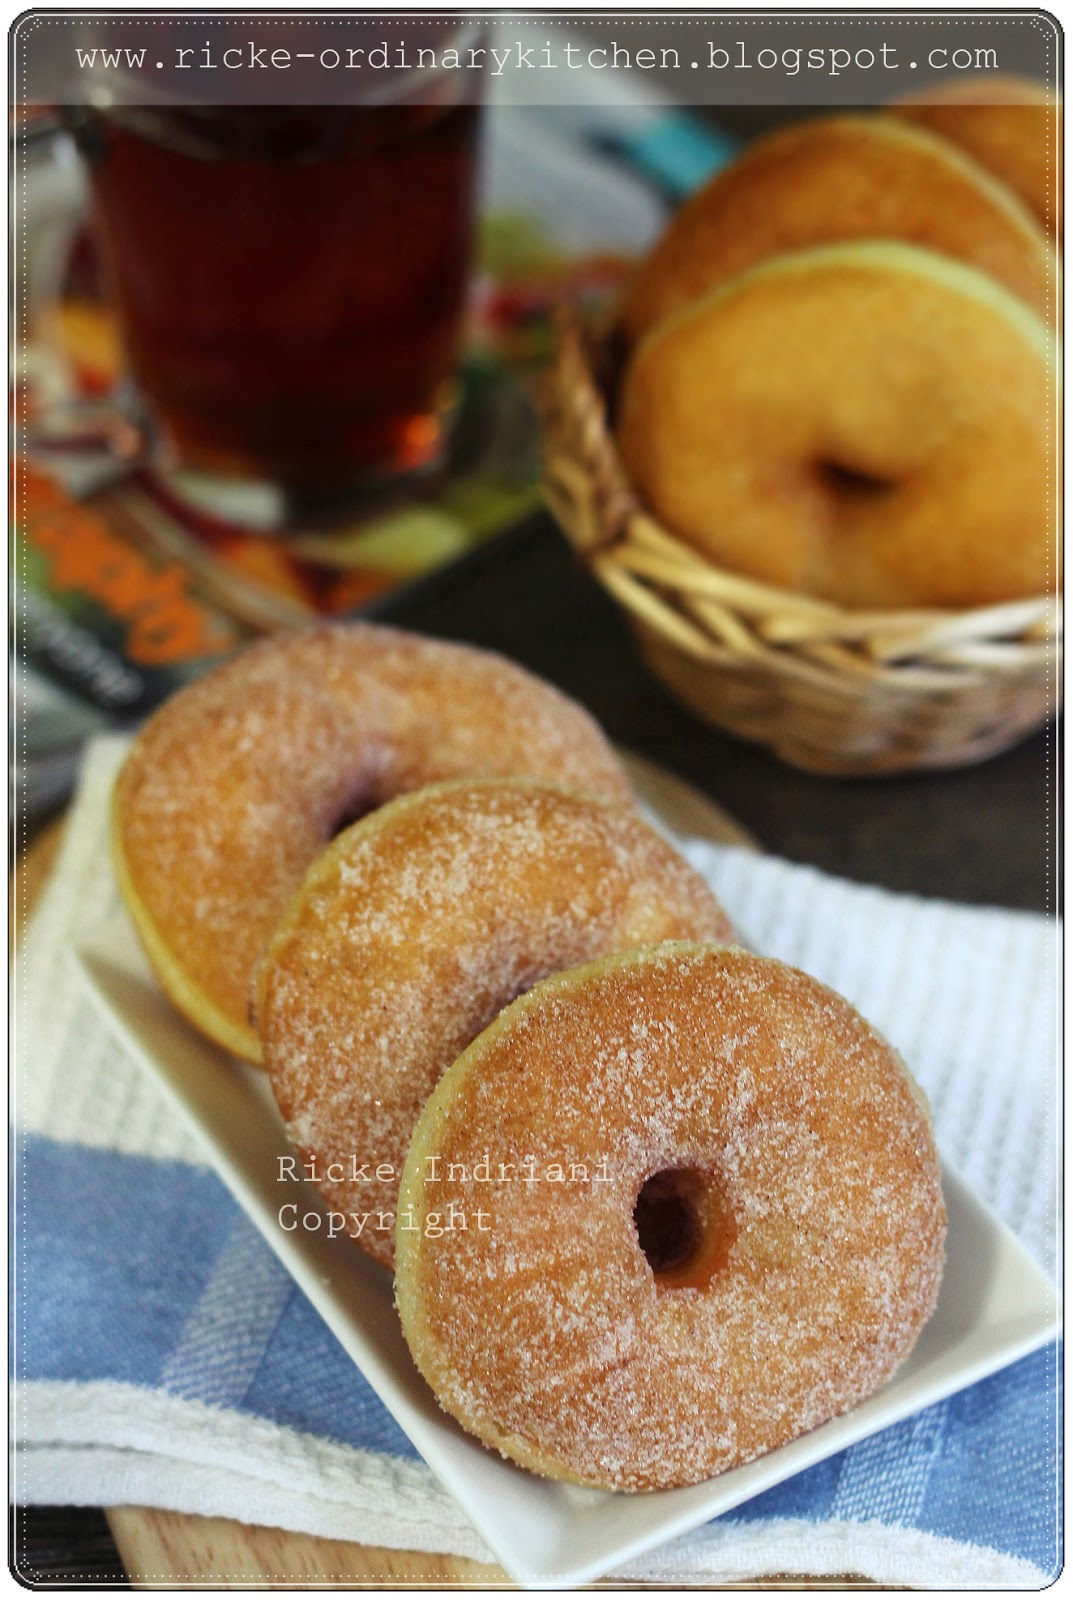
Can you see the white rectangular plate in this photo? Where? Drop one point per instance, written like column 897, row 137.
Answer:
column 995, row 1306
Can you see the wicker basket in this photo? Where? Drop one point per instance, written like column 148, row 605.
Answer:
column 847, row 693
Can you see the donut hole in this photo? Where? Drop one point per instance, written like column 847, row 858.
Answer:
column 849, row 483
column 355, row 810
column 683, row 1227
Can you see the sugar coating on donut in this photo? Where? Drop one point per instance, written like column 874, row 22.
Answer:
column 545, row 1329
column 414, row 930
column 237, row 783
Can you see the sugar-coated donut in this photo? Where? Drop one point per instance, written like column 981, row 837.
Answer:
column 236, row 784
column 1016, row 133
column 835, row 179
column 671, row 1210
column 410, row 934
column 869, row 423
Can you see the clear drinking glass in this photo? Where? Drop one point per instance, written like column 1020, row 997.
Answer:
column 290, row 280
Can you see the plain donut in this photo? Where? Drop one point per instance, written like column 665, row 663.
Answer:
column 836, row 179
column 868, row 423
column 1015, row 133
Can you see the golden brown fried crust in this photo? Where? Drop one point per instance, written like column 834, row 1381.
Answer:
column 1019, row 140
column 869, row 423
column 414, row 930
column 548, row 1334
column 239, row 781
column 837, row 179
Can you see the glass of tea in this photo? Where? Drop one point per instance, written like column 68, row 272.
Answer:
column 289, row 280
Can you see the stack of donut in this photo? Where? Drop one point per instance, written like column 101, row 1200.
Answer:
column 841, row 370
column 656, row 1205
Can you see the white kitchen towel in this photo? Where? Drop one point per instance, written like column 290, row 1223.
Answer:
column 164, row 1357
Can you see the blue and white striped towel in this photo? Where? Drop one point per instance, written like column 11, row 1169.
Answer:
column 165, row 1358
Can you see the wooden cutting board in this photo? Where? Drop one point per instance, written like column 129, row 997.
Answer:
column 161, row 1549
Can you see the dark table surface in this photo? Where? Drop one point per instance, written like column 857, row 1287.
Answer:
column 986, row 835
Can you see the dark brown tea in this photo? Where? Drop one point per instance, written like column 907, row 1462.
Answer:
column 290, row 281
